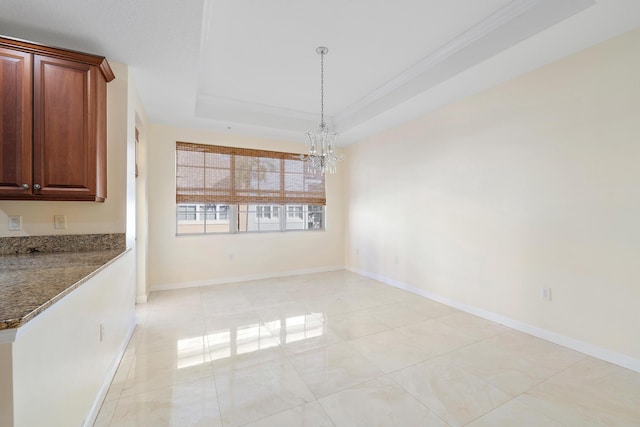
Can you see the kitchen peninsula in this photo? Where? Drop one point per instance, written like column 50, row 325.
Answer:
column 63, row 313
column 33, row 281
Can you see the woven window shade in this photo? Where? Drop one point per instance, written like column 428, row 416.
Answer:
column 228, row 175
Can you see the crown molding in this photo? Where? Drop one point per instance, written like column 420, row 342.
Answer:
column 465, row 39
column 505, row 28
column 502, row 30
column 261, row 115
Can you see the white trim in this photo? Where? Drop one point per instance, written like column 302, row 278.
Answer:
column 554, row 337
column 236, row 279
column 97, row 403
column 142, row 299
column 269, row 116
column 7, row 336
column 515, row 22
column 504, row 15
column 254, row 107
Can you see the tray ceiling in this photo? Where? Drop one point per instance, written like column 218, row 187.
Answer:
column 251, row 67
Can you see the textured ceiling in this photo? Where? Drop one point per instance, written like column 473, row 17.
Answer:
column 251, row 67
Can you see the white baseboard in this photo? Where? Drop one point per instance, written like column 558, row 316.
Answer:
column 236, row 279
column 97, row 403
column 142, row 299
column 563, row 340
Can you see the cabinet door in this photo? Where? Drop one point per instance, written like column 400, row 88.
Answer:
column 15, row 123
column 64, row 131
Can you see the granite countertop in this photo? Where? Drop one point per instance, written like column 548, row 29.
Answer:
column 30, row 283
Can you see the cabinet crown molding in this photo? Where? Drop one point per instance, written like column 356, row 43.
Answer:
column 56, row 52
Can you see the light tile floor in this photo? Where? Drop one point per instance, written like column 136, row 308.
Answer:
column 337, row 349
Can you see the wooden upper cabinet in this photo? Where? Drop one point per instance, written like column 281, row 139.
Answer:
column 62, row 155
column 64, row 151
column 15, row 122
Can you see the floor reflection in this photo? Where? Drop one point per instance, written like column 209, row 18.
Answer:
column 230, row 342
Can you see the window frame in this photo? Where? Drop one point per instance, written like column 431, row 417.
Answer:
column 234, row 212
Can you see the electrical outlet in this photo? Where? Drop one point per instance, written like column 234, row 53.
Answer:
column 545, row 294
column 15, row 222
column 59, row 221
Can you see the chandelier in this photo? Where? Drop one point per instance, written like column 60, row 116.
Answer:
column 322, row 156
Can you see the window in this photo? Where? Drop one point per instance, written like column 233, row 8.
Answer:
column 294, row 212
column 216, row 212
column 186, row 212
column 268, row 211
column 210, row 212
column 234, row 190
column 306, row 217
column 315, row 218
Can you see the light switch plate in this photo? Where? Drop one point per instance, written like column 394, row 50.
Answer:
column 15, row 222
column 59, row 221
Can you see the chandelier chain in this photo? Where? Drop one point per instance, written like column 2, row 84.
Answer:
column 322, row 89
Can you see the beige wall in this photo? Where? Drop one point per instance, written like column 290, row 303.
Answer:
column 85, row 217
column 534, row 183
column 200, row 259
